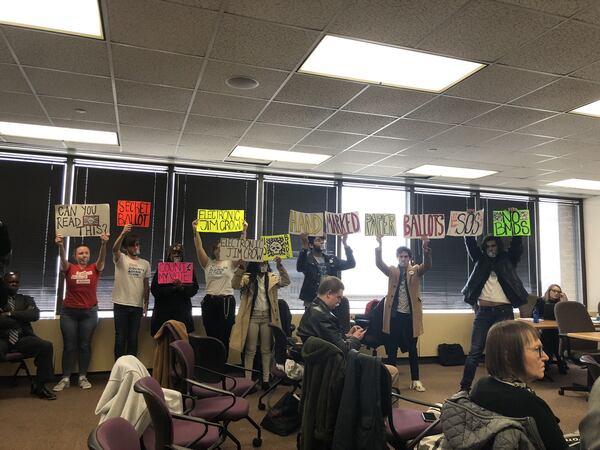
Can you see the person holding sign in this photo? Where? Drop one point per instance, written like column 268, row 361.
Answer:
column 173, row 301
column 402, row 308
column 493, row 290
column 218, row 305
column 258, row 308
column 79, row 313
column 131, row 292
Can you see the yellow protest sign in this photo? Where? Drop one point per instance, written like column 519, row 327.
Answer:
column 220, row 220
column 279, row 245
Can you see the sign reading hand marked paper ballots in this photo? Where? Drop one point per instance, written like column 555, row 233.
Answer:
column 168, row 272
column 342, row 223
column 82, row 220
column 220, row 220
column 431, row 225
column 512, row 223
column 134, row 213
column 246, row 249
column 465, row 223
column 380, row 224
column 309, row 223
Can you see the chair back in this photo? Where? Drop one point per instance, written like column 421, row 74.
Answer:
column 593, row 367
column 183, row 364
column 280, row 347
column 209, row 352
column 285, row 316
column 572, row 317
column 526, row 309
column 114, row 434
column 159, row 412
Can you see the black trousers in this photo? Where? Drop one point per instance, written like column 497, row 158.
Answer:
column 33, row 347
column 401, row 335
column 218, row 317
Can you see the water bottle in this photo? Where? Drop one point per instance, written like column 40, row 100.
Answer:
column 536, row 316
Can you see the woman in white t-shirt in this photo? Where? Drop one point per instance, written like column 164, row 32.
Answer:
column 218, row 304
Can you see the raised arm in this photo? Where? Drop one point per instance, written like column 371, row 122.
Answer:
column 473, row 250
column 516, row 250
column 378, row 260
column 349, row 262
column 102, row 254
column 302, row 256
column 200, row 253
column 427, row 260
column 64, row 263
column 284, row 278
column 119, row 242
column 244, row 231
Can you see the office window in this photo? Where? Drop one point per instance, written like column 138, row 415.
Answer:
column 283, row 194
column 30, row 188
column 102, row 183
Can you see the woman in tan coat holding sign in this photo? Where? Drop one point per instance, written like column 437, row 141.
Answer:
column 402, row 310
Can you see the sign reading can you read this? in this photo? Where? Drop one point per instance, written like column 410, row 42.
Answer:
column 136, row 213
column 82, row 220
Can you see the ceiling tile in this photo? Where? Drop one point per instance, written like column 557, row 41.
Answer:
column 355, row 123
column 262, row 44
column 400, row 23
column 294, row 115
column 318, row 91
column 82, row 148
column 12, row 79
column 15, row 103
column 150, row 96
column 413, row 129
column 590, row 14
column 459, row 136
column 330, row 139
column 450, row 110
column 161, row 26
column 149, row 149
column 591, row 135
column 486, row 30
column 432, row 150
column 564, row 95
column 357, row 157
column 379, row 171
column 566, row 48
column 156, row 67
column 151, row 118
column 59, row 51
column 404, row 161
column 509, row 118
column 227, row 106
column 18, row 118
column 68, row 85
column 591, row 72
column 514, row 141
column 205, row 148
column 382, row 145
column 264, row 143
column 317, row 150
column 330, row 166
column 62, row 108
column 557, row 7
column 5, row 56
column 562, row 125
column 562, row 147
column 486, row 155
column 148, row 135
column 389, row 101
column 276, row 133
column 291, row 166
column 85, row 125
column 218, row 72
column 215, row 126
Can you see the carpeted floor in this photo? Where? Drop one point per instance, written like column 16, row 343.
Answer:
column 27, row 422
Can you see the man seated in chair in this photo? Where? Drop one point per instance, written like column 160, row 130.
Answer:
column 16, row 334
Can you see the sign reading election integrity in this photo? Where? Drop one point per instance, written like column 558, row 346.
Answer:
column 279, row 245
column 512, row 223
column 309, row 223
column 134, row 213
column 343, row 223
column 246, row 249
column 431, row 225
column 82, row 220
column 465, row 223
column 380, row 224
column 168, row 272
column 220, row 220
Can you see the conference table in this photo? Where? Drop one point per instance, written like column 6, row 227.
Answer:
column 586, row 336
column 542, row 324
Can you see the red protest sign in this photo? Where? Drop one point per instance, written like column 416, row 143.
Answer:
column 133, row 212
column 170, row 271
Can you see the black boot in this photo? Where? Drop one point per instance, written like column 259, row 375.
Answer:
column 42, row 392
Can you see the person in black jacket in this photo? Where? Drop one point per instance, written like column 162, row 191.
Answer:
column 550, row 339
column 16, row 334
column 493, row 290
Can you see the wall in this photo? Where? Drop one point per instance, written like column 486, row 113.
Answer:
column 591, row 219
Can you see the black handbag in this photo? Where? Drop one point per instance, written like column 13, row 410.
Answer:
column 451, row 355
column 283, row 418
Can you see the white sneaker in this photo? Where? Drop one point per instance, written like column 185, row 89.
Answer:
column 63, row 383
column 84, row 383
column 417, row 386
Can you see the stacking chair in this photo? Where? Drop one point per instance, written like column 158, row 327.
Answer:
column 170, row 430
column 114, row 434
column 18, row 358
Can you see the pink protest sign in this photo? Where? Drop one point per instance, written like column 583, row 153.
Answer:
column 170, row 271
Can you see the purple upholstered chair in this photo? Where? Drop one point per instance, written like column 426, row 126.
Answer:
column 406, row 427
column 224, row 406
column 114, row 434
column 170, row 430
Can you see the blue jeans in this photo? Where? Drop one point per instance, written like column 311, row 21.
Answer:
column 77, row 327
column 127, row 326
column 485, row 317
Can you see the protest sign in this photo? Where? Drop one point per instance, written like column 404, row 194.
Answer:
column 220, row 220
column 134, row 213
column 170, row 271
column 309, row 223
column 465, row 223
column 82, row 220
column 279, row 245
column 246, row 249
column 380, row 224
column 512, row 223
column 343, row 223
column 431, row 225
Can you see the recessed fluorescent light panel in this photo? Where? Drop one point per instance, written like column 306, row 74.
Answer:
column 577, row 183
column 264, row 154
column 79, row 17
column 593, row 109
column 452, row 172
column 376, row 63
column 58, row 133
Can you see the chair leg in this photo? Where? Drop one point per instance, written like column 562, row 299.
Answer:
column 261, row 405
column 233, row 438
column 257, row 441
column 22, row 366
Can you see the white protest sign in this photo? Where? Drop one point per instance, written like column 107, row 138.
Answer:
column 431, row 225
column 309, row 223
column 342, row 223
column 246, row 249
column 380, row 224
column 465, row 223
column 82, row 220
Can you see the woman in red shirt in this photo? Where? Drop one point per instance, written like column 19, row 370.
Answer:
column 79, row 314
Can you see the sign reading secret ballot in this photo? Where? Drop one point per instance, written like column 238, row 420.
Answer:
column 133, row 212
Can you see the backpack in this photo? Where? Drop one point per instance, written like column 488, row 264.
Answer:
column 451, row 355
column 283, row 418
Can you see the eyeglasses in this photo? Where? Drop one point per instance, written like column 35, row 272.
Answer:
column 558, row 291
column 539, row 349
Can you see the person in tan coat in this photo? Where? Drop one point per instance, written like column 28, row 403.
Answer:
column 258, row 307
column 402, row 310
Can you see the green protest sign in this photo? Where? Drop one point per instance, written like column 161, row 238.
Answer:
column 512, row 223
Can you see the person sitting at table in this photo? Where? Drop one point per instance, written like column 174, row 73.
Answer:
column 549, row 337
